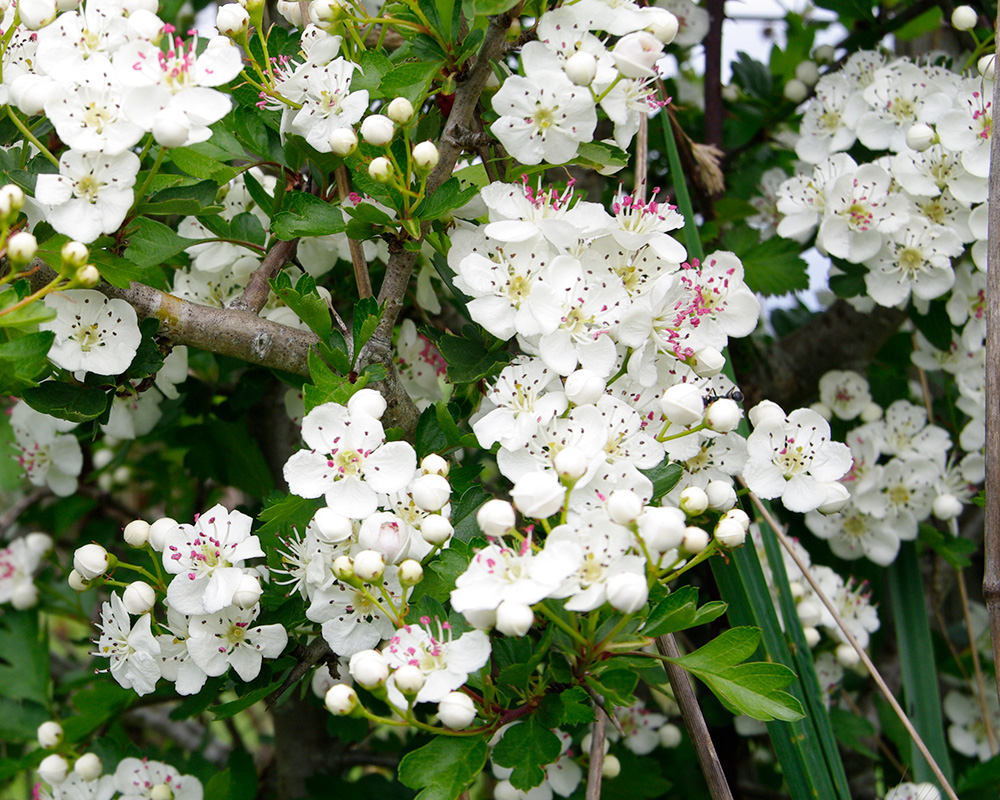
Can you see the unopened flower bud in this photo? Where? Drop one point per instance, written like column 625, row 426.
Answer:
column 693, row 501
column 434, row 464
column 482, row 619
column 343, row 568
column 581, row 68
column 730, row 93
column 664, row 24
column 611, row 767
column 627, row 592
column 584, row 387
column 368, row 402
column 87, row 277
column 430, row 492
column 946, row 506
column 170, row 130
column 920, row 136
column 504, row 790
column 721, row 495
column 377, row 130
column 796, row 91
column 324, row 13
column 30, row 92
column 76, row 582
column 513, row 618
column 369, row 668
column 825, row 53
column 400, row 111
column 53, row 769
column 495, row 517
column 847, row 656
column 662, row 528
column 38, row 543
column 74, row 254
column 807, row 72
column 683, row 404
column 138, row 598
column 49, row 734
column 538, row 494
column 871, row 413
column 343, row 142
column 248, row 591
column 695, row 540
column 670, row 736
column 456, row 711
column 332, row 527
column 11, row 200
column 636, row 54
column 161, row 791
column 380, row 170
column 964, row 18
column 340, row 699
column 571, row 464
column 232, row 20
column 723, row 415
column 837, row 498
column 88, row 766
column 730, row 534
column 410, row 572
column 158, row 531
column 738, row 515
column 409, row 679
column 35, row 15
column 24, row 596
column 624, row 506
column 369, row 565
column 707, row 362
column 91, row 561
column 435, row 529
column 766, row 413
column 809, row 613
column 426, row 156
column 987, row 66
column 812, row 637
column 21, row 247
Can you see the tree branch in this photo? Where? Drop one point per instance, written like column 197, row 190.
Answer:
column 595, row 770
column 259, row 285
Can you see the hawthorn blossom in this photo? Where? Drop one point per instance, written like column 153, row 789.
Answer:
column 968, row 128
column 967, row 726
column 176, row 662
column 19, row 561
column 824, row 129
column 845, row 392
column 226, row 639
column 639, row 728
column 526, row 394
column 852, row 534
column 915, row 259
column 150, row 780
column 93, row 333
column 45, row 451
column 859, row 209
column 356, row 618
column 328, row 104
column 133, row 650
column 76, row 787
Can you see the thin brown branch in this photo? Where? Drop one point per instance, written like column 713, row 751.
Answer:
column 358, row 262
column 976, row 667
column 642, row 156
column 713, row 72
column 694, row 721
column 259, row 285
column 308, row 657
column 11, row 515
column 595, row 770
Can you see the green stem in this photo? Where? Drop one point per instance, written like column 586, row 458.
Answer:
column 691, row 237
column 560, row 623
column 26, row 132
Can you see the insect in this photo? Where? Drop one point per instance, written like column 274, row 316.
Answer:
column 733, row 394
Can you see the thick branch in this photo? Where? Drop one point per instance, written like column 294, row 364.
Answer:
column 713, row 73
column 259, row 286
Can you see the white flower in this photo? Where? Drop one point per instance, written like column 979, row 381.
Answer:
column 91, row 194
column 349, row 461
column 93, row 333
column 142, row 779
column 793, row 459
column 225, row 639
column 48, row 455
column 175, row 661
column 852, row 534
column 639, row 726
column 844, row 391
column 898, row 96
column 967, row 731
column 89, row 35
column 207, row 559
column 328, row 104
column 917, row 259
column 19, row 562
column 356, row 619
column 904, row 432
column 968, row 129
column 915, row 791
column 824, row 129
column 526, row 394
column 133, row 651
column 859, row 209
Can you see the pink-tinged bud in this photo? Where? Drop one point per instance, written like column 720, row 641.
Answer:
column 340, row 700
column 456, row 711
column 369, row 668
column 139, row 598
column 636, row 54
column 91, row 561
column 627, row 592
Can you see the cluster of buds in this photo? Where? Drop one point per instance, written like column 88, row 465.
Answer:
column 54, row 769
column 378, row 130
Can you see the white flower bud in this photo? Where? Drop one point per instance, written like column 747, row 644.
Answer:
column 807, row 72
column 946, row 506
column 495, row 517
column 662, row 529
column 324, row 13
column 723, row 415
column 368, row 402
column 721, row 495
column 387, row 534
column 964, row 18
column 636, row 54
column 482, row 619
column 53, row 769
column 435, row 529
column 74, row 254
column 670, row 736
column 21, row 247
column 847, row 656
column 369, row 565
column 627, row 592
column 664, row 24
column 571, row 464
column 812, row 637
column 343, row 568
column 35, row 15
column 920, row 136
column 377, row 130
column 504, row 790
column 91, row 561
column 456, row 711
column 369, row 668
column 139, row 598
column 426, row 156
column 31, row 92
column 695, row 540
column 430, row 492
column 730, row 534
column 871, row 413
column 796, row 91
column 340, row 699
column 434, row 464
column 693, row 501
column 738, row 515
column 837, row 498
column 24, row 596
column 611, row 767
column 825, row 53
column 584, row 387
column 683, row 404
column 161, row 791
column 409, row 679
column 513, row 618
column 291, row 10
column 343, row 142
column 87, row 277
column 248, row 591
column 11, row 199
column 766, row 413
column 624, row 506
column 38, row 543
column 707, row 362
column 170, row 130
column 89, row 767
column 581, row 68
column 49, row 734
column 400, row 111
column 158, row 531
column 538, row 494
column 987, row 66
column 410, row 572
column 76, row 582
column 332, row 527
column 232, row 20
column 809, row 613
column 380, row 170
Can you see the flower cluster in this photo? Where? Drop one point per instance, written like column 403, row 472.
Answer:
column 20, row 561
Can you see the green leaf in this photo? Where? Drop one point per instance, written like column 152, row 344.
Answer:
column 725, row 650
column 305, row 301
column 75, row 403
column 367, row 316
column 601, row 156
column 935, row 325
column 151, row 243
column 326, row 386
column 851, row 730
column 664, row 476
column 247, row 228
column 24, row 361
column 526, row 748
column 954, row 549
column 927, row 22
column 771, row 267
column 468, row 360
column 24, row 657
column 753, row 76
column 372, row 65
column 410, row 80
column 616, row 686
column 303, row 214
column 198, row 165
column 19, row 720
column 27, row 315
column 121, row 272
column 188, row 199
column 753, row 689
column 441, row 203
column 443, row 769
column 224, row 451
column 103, row 701
column 679, row 611
column 284, row 513
column 576, row 707
column 430, row 436
column 493, row 7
